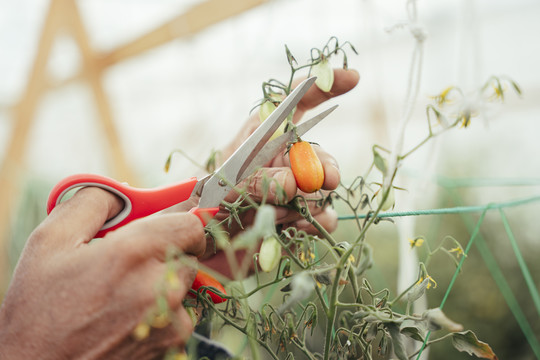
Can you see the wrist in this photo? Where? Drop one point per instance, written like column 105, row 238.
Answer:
column 18, row 342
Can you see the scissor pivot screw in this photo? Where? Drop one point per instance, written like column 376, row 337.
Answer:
column 222, row 182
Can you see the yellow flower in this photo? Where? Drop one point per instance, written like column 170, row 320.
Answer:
column 465, row 119
column 498, row 91
column 442, row 98
column 305, row 256
column 416, row 242
column 431, row 281
column 458, row 250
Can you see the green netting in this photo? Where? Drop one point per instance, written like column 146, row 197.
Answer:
column 499, row 278
column 477, row 239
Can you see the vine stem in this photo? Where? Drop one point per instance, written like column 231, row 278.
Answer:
column 331, row 315
column 242, row 330
column 332, row 242
column 332, row 306
column 413, row 87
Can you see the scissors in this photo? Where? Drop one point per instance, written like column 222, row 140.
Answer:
column 212, row 189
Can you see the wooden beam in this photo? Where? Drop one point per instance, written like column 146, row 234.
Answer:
column 92, row 72
column 62, row 15
column 189, row 23
column 23, row 114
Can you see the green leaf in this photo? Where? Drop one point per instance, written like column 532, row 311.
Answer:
column 437, row 320
column 417, row 290
column 367, row 260
column 397, row 342
column 414, row 329
column 380, row 162
column 384, row 346
column 372, row 332
column 468, row 342
column 290, row 57
column 516, row 87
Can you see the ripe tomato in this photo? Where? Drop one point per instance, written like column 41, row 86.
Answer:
column 205, row 279
column 306, row 166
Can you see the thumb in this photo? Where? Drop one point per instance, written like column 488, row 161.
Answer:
column 344, row 81
column 77, row 220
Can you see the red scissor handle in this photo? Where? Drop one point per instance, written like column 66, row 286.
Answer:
column 138, row 202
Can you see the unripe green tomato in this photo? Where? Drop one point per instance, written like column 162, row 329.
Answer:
column 390, row 199
column 265, row 110
column 325, row 75
column 269, row 254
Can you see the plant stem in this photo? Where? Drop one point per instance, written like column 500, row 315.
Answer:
column 331, row 314
column 431, row 342
column 242, row 330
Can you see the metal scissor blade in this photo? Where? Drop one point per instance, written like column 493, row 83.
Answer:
column 217, row 187
column 274, row 147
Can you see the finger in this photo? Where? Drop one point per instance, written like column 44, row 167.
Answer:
column 328, row 219
column 276, row 185
column 332, row 176
column 154, row 236
column 344, row 81
column 77, row 220
column 178, row 282
column 183, row 325
column 287, row 216
column 162, row 339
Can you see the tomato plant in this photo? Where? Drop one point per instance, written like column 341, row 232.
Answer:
column 291, row 286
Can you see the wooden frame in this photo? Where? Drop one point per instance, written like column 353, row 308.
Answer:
column 63, row 15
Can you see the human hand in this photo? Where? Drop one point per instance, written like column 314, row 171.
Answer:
column 279, row 169
column 72, row 299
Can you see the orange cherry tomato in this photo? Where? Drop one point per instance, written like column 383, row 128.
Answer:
column 306, row 166
column 204, row 279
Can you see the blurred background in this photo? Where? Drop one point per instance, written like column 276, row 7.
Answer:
column 112, row 87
